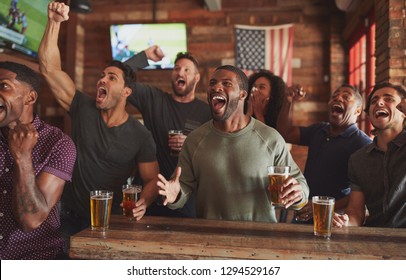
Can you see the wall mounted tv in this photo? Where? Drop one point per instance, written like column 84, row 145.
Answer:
column 22, row 24
column 129, row 39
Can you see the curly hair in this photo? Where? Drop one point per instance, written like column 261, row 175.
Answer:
column 278, row 88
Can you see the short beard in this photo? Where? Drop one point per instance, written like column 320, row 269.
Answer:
column 189, row 88
column 231, row 108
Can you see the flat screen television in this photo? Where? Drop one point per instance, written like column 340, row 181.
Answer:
column 22, row 24
column 129, row 39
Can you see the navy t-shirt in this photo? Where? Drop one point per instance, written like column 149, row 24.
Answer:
column 326, row 169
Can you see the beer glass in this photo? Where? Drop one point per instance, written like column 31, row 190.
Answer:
column 131, row 193
column 100, row 209
column 171, row 133
column 323, row 210
column 277, row 175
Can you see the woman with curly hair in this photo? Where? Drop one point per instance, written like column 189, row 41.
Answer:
column 266, row 96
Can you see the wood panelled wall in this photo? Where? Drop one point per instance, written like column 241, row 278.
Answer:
column 211, row 40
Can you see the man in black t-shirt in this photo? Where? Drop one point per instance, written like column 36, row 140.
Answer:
column 163, row 111
column 111, row 144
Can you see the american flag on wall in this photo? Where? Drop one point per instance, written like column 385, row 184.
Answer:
column 265, row 47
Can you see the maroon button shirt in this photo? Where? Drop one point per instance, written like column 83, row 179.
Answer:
column 55, row 153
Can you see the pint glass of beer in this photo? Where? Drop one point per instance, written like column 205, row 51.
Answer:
column 100, row 209
column 277, row 175
column 323, row 210
column 131, row 193
column 172, row 133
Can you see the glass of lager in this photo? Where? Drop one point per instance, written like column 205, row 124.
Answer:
column 131, row 193
column 323, row 210
column 172, row 133
column 100, row 209
column 277, row 175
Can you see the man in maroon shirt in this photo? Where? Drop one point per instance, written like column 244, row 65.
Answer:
column 35, row 161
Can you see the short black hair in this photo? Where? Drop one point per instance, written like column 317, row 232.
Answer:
column 187, row 55
column 128, row 73
column 242, row 78
column 399, row 89
column 23, row 74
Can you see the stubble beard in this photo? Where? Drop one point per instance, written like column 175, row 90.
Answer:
column 230, row 109
column 188, row 90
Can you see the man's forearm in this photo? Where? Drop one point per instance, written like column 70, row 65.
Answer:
column 48, row 52
column 285, row 119
column 341, row 204
column 29, row 204
column 355, row 221
column 62, row 86
column 150, row 192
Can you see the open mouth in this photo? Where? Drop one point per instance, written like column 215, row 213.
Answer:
column 337, row 109
column 180, row 82
column 381, row 113
column 101, row 94
column 218, row 102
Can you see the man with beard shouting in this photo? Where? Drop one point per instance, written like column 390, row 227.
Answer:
column 163, row 111
column 225, row 160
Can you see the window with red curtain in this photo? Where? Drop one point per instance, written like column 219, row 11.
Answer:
column 362, row 63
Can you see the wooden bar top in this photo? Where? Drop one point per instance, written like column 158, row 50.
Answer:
column 181, row 238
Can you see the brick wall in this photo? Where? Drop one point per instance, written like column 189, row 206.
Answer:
column 391, row 41
column 211, row 39
column 320, row 34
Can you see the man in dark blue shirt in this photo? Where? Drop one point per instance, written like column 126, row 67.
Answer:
column 330, row 144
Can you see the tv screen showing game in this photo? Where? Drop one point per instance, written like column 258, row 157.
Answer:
column 129, row 39
column 22, row 24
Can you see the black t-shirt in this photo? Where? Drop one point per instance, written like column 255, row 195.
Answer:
column 106, row 156
column 161, row 113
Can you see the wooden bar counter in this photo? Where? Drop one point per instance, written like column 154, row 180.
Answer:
column 178, row 238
